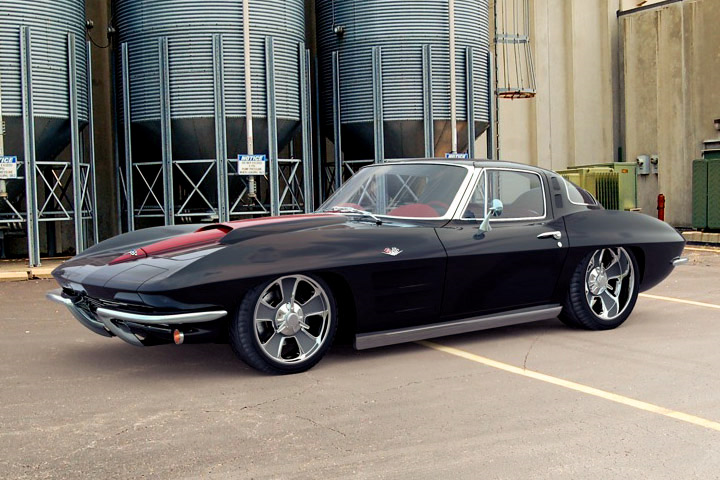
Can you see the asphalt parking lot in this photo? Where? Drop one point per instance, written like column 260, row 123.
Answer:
column 531, row 401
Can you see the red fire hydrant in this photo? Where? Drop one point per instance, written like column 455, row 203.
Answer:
column 661, row 207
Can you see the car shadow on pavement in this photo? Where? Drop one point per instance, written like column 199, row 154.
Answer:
column 91, row 356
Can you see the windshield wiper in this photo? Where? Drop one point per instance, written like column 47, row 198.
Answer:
column 363, row 213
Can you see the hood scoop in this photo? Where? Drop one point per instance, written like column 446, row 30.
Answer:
column 204, row 236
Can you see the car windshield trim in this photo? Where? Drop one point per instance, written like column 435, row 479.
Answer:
column 466, row 198
column 452, row 208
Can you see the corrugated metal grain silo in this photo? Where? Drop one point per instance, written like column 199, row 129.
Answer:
column 414, row 70
column 189, row 26
column 45, row 105
column 49, row 21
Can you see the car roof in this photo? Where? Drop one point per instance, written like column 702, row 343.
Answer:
column 481, row 163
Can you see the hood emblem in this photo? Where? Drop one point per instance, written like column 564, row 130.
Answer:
column 393, row 252
column 133, row 252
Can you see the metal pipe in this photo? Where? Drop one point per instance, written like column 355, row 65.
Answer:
column 337, row 119
column 453, row 78
column 428, row 102
column 494, row 86
column 319, row 138
column 220, row 128
column 378, row 117
column 492, row 111
column 29, row 147
column 470, row 88
column 3, row 186
column 116, row 143
column 77, row 182
column 272, row 127
column 252, row 185
column 127, row 119
column 91, row 134
column 166, row 132
column 306, row 112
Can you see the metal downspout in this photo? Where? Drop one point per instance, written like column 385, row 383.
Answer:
column 453, row 78
column 252, row 186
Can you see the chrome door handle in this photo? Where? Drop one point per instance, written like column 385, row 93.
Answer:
column 556, row 235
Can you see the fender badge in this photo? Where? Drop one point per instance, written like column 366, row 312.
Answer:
column 393, row 252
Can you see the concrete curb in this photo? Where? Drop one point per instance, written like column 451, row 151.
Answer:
column 14, row 276
column 702, row 237
column 28, row 274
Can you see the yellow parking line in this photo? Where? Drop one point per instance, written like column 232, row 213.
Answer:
column 680, row 300
column 578, row 387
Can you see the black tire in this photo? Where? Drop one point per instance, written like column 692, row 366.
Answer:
column 247, row 345
column 577, row 311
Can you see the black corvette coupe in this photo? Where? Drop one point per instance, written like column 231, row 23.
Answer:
column 403, row 251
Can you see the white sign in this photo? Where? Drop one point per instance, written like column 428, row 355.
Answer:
column 252, row 164
column 8, row 168
column 461, row 156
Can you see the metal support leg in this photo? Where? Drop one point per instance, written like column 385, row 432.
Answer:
column 492, row 148
column 119, row 180
column 428, row 102
column 272, row 127
column 319, row 138
column 29, row 147
column 470, row 90
column 166, row 132
column 91, row 139
column 337, row 125
column 221, row 156
column 127, row 125
column 306, row 113
column 379, row 117
column 75, row 147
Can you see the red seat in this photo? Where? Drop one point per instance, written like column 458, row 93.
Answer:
column 418, row 210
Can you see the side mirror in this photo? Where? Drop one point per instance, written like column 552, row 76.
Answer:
column 495, row 210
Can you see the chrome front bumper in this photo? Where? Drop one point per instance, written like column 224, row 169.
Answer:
column 104, row 321
column 677, row 261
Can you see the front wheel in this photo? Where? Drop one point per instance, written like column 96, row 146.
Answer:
column 285, row 325
column 603, row 290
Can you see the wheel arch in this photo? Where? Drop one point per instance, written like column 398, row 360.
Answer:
column 639, row 255
column 344, row 301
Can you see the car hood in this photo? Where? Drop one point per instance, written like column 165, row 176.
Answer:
column 127, row 261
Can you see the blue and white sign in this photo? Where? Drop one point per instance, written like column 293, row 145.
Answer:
column 252, row 164
column 457, row 156
column 8, row 168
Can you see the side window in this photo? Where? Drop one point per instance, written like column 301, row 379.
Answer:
column 520, row 192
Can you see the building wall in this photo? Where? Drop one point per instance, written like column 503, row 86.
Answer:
column 671, row 63
column 572, row 120
column 612, row 88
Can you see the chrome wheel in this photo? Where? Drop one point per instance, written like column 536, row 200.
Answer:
column 292, row 319
column 609, row 282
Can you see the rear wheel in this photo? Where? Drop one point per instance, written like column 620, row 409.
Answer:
column 285, row 325
column 603, row 290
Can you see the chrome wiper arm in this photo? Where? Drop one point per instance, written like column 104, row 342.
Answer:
column 363, row 213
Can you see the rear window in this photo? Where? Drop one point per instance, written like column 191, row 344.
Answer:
column 579, row 196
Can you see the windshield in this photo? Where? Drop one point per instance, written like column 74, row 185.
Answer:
column 401, row 190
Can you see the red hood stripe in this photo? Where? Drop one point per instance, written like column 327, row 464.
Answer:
column 203, row 236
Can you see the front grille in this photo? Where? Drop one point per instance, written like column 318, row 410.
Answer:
column 91, row 305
